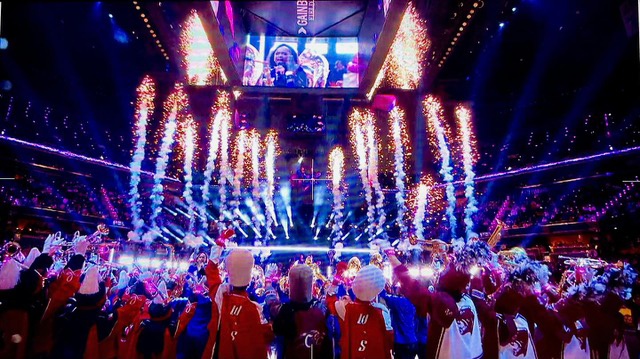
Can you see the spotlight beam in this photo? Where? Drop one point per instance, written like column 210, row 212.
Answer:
column 304, row 249
column 551, row 165
column 79, row 157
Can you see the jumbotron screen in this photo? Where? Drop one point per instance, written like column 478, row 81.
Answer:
column 301, row 62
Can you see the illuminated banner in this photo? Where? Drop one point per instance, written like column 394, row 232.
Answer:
column 305, row 14
column 305, row 17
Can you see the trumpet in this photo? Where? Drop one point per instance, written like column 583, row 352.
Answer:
column 434, row 245
column 102, row 230
column 584, row 262
column 11, row 250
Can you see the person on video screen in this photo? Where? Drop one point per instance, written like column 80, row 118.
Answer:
column 284, row 70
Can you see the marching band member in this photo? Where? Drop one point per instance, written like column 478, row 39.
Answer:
column 365, row 325
column 302, row 320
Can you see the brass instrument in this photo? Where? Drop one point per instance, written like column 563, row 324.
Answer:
column 353, row 267
column 11, row 250
column 284, row 283
column 102, row 230
column 434, row 245
column 513, row 255
column 257, row 276
column 563, row 281
column 584, row 262
column 317, row 273
column 376, row 260
column 496, row 234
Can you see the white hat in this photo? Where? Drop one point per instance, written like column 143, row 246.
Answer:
column 239, row 264
column 91, row 282
column 369, row 282
column 33, row 254
column 9, row 275
column 123, row 279
column 162, row 294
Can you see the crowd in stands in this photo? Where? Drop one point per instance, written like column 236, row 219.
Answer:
column 595, row 134
column 68, row 195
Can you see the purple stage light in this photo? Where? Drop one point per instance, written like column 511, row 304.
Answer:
column 76, row 156
column 546, row 166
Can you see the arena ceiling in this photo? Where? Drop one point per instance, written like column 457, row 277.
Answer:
column 524, row 62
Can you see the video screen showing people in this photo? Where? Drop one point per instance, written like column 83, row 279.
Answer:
column 299, row 62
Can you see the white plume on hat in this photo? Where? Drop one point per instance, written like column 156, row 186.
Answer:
column 9, row 275
column 369, row 282
column 91, row 282
column 162, row 294
column 239, row 264
column 123, row 279
column 52, row 241
column 33, row 254
column 47, row 243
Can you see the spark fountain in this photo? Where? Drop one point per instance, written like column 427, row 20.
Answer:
column 439, row 135
column 400, row 142
column 422, row 201
column 254, row 143
column 359, row 144
column 372, row 147
column 271, row 145
column 238, row 175
column 198, row 59
column 214, row 144
column 187, row 194
column 336, row 172
column 463, row 115
column 174, row 103
column 146, row 93
column 225, row 170
column 219, row 135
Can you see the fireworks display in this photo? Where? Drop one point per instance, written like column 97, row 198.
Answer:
column 187, row 194
column 466, row 141
column 220, row 114
column 373, row 170
column 271, row 152
column 171, row 108
column 225, row 170
column 146, row 93
column 398, row 129
column 214, row 143
column 433, row 113
column 403, row 67
column 182, row 101
column 250, row 150
column 422, row 200
column 336, row 172
column 359, row 144
column 198, row 59
column 254, row 144
column 241, row 145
